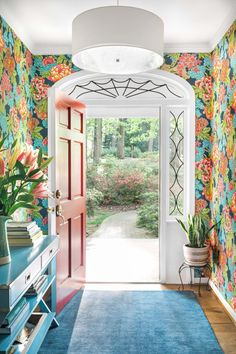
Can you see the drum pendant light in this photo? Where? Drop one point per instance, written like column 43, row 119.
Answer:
column 117, row 40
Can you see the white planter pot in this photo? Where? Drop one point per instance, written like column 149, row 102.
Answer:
column 196, row 256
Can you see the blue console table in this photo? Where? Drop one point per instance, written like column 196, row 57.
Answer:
column 27, row 264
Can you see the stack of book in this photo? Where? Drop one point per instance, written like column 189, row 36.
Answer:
column 14, row 317
column 37, row 286
column 23, row 233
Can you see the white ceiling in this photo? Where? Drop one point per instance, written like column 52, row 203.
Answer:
column 190, row 25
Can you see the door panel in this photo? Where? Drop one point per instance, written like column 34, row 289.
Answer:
column 77, row 172
column 64, row 167
column 70, row 202
column 77, row 245
column 63, row 271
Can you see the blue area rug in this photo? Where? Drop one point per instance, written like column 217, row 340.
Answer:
column 133, row 322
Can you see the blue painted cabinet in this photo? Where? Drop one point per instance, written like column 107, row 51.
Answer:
column 27, row 265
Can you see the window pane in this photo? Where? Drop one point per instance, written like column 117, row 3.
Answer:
column 176, row 163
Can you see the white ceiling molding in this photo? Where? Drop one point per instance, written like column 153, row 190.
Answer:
column 15, row 24
column 168, row 48
column 187, row 29
column 187, row 48
column 223, row 28
column 39, row 49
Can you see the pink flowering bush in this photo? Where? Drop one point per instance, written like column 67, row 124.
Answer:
column 118, row 186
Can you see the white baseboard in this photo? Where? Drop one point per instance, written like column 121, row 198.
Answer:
column 226, row 305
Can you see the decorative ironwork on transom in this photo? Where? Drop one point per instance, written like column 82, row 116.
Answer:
column 125, row 88
column 176, row 163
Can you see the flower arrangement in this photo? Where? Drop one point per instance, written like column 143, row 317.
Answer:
column 22, row 177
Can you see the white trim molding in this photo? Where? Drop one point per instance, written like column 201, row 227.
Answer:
column 198, row 47
column 9, row 11
column 151, row 94
column 229, row 20
column 225, row 304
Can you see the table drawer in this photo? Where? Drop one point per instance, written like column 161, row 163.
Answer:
column 49, row 253
column 25, row 280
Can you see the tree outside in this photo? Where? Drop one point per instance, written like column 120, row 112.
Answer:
column 123, row 170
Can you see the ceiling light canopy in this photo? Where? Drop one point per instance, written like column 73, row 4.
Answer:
column 117, row 40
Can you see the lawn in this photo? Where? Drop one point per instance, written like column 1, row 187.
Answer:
column 95, row 221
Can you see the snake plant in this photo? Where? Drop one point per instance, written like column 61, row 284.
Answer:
column 196, row 230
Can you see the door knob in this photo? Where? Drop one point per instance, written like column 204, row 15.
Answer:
column 58, row 194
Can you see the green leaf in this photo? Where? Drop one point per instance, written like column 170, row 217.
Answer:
column 22, row 205
column 32, row 173
column 213, row 226
column 14, row 144
column 25, row 198
column 182, row 225
column 12, row 179
column 40, row 154
column 21, row 168
column 46, row 163
column 3, row 140
column 37, row 181
column 36, row 133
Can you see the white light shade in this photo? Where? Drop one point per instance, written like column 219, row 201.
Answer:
column 117, row 40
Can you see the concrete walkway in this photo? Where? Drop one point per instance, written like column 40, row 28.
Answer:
column 121, row 225
column 120, row 252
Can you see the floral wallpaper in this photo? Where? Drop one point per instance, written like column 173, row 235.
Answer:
column 214, row 81
column 196, row 69
column 16, row 72
column 223, row 196
column 23, row 109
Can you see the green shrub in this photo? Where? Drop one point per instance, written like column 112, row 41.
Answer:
column 93, row 200
column 109, row 151
column 148, row 213
column 136, row 152
column 122, row 182
column 127, row 151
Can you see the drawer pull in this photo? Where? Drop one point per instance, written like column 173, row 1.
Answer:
column 50, row 252
column 27, row 278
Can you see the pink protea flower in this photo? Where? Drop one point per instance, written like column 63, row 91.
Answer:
column 41, row 190
column 2, row 167
column 37, row 175
column 20, row 157
column 30, row 156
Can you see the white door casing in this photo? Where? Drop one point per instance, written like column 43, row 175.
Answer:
column 155, row 94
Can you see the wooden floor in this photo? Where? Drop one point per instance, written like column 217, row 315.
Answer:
column 224, row 328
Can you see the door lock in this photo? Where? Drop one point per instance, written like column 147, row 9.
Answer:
column 50, row 209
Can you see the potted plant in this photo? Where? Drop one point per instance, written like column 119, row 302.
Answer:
column 196, row 250
column 22, row 181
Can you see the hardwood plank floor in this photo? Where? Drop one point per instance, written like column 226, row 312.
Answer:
column 224, row 328
column 220, row 321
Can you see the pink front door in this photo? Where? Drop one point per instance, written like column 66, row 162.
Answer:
column 71, row 201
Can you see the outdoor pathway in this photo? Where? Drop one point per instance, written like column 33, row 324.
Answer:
column 120, row 252
column 121, row 225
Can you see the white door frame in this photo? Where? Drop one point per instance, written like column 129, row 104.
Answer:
column 144, row 106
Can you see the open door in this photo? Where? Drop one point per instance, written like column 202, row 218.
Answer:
column 68, row 205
